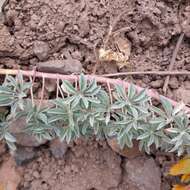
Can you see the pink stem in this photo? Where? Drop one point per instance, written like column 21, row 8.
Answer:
column 152, row 93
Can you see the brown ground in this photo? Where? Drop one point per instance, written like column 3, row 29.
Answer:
column 86, row 166
column 42, row 30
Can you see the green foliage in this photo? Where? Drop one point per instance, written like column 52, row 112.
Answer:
column 7, row 136
column 86, row 110
column 12, row 92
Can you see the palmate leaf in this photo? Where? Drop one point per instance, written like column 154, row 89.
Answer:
column 99, row 130
column 40, row 130
column 85, row 129
column 68, row 87
column 6, row 96
column 9, row 81
column 82, row 83
column 6, row 100
column 149, row 135
column 120, row 93
column 68, row 134
column 137, row 97
column 84, row 95
column 125, row 139
column 118, row 105
column 141, row 97
column 92, row 89
column 170, row 112
column 159, row 121
column 182, row 121
column 13, row 91
column 6, row 90
column 158, row 111
column 131, row 91
column 37, row 122
column 135, row 103
column 167, row 106
column 180, row 135
column 63, row 112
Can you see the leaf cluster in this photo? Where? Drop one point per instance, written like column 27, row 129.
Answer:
column 86, row 109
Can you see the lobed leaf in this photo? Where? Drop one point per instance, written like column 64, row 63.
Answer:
column 68, row 87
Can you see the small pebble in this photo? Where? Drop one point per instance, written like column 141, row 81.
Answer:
column 36, row 174
column 156, row 84
column 58, row 148
column 41, row 50
column 173, row 83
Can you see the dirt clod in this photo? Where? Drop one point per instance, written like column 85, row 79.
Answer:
column 173, row 83
column 41, row 50
column 24, row 155
column 66, row 66
column 142, row 174
column 17, row 128
column 126, row 152
column 50, row 85
column 58, row 149
column 156, row 84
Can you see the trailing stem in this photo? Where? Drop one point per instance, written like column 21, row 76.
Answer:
column 114, row 109
column 153, row 94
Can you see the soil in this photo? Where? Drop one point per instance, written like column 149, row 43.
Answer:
column 40, row 31
column 87, row 165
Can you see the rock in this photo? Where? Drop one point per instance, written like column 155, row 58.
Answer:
column 36, row 174
column 126, row 152
column 61, row 26
column 142, row 174
column 110, row 67
column 77, row 55
column 66, row 66
column 10, row 63
column 183, row 94
column 10, row 17
column 58, row 148
column 84, row 25
column 41, row 50
column 17, row 128
column 24, row 155
column 9, row 176
column 173, row 83
column 50, row 85
column 156, row 84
